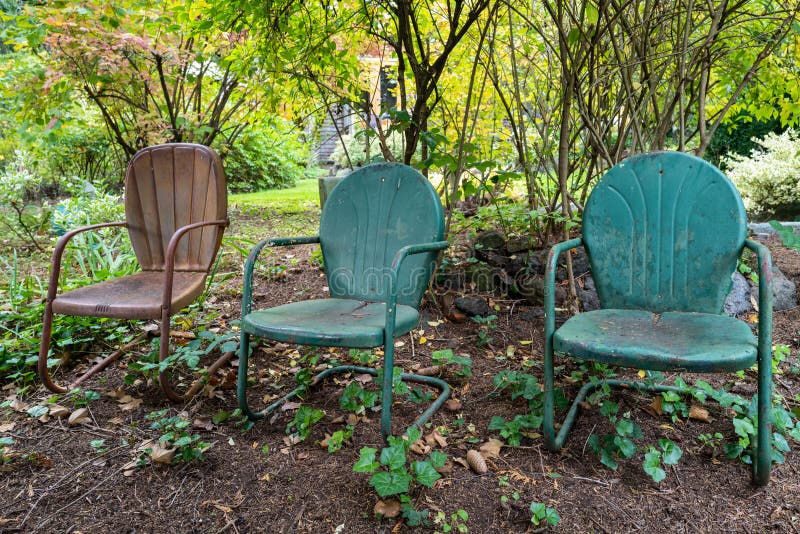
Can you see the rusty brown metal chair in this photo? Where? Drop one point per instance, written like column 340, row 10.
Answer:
column 176, row 213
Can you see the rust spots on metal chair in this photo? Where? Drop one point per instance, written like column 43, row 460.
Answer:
column 175, row 214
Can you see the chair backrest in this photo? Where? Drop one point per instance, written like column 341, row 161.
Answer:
column 663, row 232
column 170, row 186
column 367, row 218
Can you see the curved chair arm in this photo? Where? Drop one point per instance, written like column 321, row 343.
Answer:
column 58, row 253
column 550, row 285
column 763, row 456
column 249, row 265
column 402, row 254
column 169, row 266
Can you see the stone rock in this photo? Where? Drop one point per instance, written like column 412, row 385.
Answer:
column 472, row 306
column 492, row 258
column 483, row 276
column 580, row 265
column 516, row 244
column 531, row 286
column 537, row 261
column 589, row 299
column 783, row 290
column 489, row 240
column 530, row 315
column 451, row 280
column 738, row 300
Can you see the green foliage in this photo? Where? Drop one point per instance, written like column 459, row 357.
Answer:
column 355, row 146
column 22, row 216
column 736, row 136
column 540, row 513
column 356, row 399
column 337, row 439
column 669, row 454
column 303, row 421
column 789, row 238
column 5, row 457
column 457, row 522
column 768, row 179
column 446, row 357
column 527, row 387
column 363, row 357
column 82, row 397
column 398, row 386
column 487, row 326
column 175, row 435
column 188, row 355
column 393, row 473
column 266, row 158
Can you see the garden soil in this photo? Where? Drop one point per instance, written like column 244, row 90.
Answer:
column 61, row 478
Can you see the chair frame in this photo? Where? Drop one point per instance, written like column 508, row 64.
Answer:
column 166, row 384
column 762, row 454
column 388, row 345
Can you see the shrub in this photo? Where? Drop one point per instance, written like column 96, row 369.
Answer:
column 266, row 158
column 357, row 150
column 769, row 179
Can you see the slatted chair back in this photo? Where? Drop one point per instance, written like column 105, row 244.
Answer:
column 170, row 186
column 663, row 232
column 366, row 219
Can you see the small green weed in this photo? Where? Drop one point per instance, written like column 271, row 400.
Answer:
column 540, row 513
column 174, row 435
column 303, row 421
column 462, row 364
column 357, row 399
column 393, row 473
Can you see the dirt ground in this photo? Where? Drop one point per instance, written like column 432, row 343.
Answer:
column 56, row 481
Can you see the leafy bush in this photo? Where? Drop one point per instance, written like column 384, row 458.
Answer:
column 20, row 215
column 738, row 136
column 769, row 179
column 268, row 158
column 357, row 148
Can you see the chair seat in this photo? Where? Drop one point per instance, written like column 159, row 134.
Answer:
column 137, row 296
column 329, row 322
column 672, row 341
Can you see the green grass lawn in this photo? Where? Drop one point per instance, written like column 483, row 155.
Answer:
column 298, row 199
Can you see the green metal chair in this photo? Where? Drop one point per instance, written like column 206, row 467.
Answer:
column 380, row 232
column 663, row 232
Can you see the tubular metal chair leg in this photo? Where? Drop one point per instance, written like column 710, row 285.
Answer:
column 241, row 394
column 762, row 459
column 44, row 349
column 386, row 389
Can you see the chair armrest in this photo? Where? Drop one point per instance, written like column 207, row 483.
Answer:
column 402, row 254
column 58, row 253
column 764, row 298
column 249, row 265
column 550, row 285
column 169, row 267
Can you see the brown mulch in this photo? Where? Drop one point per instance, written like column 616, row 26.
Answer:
column 55, row 481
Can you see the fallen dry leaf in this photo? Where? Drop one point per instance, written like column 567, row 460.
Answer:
column 491, row 449
column 699, row 413
column 476, row 462
column 453, row 405
column 290, row 406
column 446, row 469
column 419, row 447
column 161, row 455
column 203, row 422
column 18, row 406
column 7, row 427
column 656, row 406
column 56, row 410
column 116, row 420
column 127, row 403
column 291, row 440
column 78, row 417
column 461, row 461
column 387, row 508
column 434, row 438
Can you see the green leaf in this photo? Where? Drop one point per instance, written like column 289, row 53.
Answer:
column 743, row 427
column 652, row 466
column 366, row 462
column 672, row 453
column 438, row 458
column 551, row 516
column 390, row 483
column 626, row 447
column 426, row 474
column 38, row 410
column 393, row 457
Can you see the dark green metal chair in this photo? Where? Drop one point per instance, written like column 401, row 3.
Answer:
column 663, row 232
column 380, row 232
